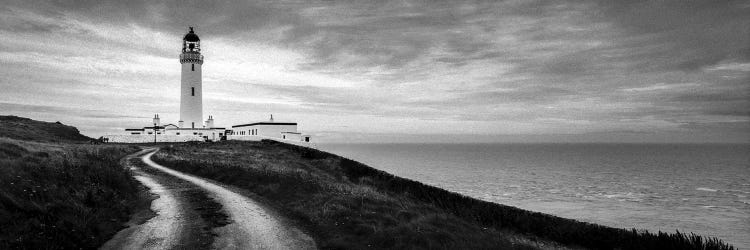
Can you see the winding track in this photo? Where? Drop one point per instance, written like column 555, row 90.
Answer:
column 252, row 225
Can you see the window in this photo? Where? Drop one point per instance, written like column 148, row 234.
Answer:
column 178, row 133
column 192, row 90
column 283, row 137
column 192, row 66
column 193, row 124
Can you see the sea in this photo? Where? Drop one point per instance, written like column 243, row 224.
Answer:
column 698, row 188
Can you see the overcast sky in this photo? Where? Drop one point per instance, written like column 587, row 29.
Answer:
column 447, row 71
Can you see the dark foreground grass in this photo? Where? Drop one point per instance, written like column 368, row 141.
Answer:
column 350, row 205
column 63, row 195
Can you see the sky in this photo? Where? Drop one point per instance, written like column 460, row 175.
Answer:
column 392, row 71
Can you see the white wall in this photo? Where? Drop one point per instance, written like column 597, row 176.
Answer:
column 245, row 137
column 259, row 138
column 266, row 130
column 150, row 138
column 187, row 138
column 291, row 137
column 202, row 132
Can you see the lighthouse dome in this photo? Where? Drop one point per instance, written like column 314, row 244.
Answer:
column 191, row 36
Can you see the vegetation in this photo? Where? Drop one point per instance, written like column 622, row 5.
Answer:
column 56, row 191
column 21, row 128
column 339, row 213
column 349, row 205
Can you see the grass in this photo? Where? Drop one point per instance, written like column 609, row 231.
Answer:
column 21, row 128
column 57, row 192
column 340, row 213
column 349, row 205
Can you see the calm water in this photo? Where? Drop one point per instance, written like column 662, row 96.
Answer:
column 691, row 188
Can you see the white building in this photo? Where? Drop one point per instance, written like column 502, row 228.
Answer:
column 191, row 126
column 267, row 129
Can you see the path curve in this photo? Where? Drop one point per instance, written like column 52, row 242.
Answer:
column 163, row 231
column 252, row 226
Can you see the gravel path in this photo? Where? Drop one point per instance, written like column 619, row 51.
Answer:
column 250, row 224
column 163, row 230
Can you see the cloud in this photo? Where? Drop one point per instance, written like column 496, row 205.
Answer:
column 661, row 87
column 690, row 34
column 16, row 108
column 487, row 67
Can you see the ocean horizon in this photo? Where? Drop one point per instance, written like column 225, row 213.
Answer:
column 687, row 187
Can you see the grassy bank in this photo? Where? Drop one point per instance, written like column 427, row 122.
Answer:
column 349, row 205
column 57, row 192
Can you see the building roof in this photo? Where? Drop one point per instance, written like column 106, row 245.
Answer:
column 191, row 36
column 171, row 125
column 265, row 123
column 175, row 128
column 216, row 128
column 296, row 133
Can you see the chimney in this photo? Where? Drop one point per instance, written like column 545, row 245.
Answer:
column 157, row 121
column 210, row 122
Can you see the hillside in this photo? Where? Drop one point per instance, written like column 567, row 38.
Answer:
column 26, row 129
column 349, row 205
column 59, row 193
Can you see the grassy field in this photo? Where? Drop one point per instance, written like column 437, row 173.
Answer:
column 58, row 192
column 347, row 205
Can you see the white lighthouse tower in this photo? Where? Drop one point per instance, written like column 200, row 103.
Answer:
column 191, row 90
column 191, row 126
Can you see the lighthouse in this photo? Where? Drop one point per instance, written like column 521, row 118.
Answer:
column 191, row 87
column 191, row 126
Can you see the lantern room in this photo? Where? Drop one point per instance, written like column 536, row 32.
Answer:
column 191, row 42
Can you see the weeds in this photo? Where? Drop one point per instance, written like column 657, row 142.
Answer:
column 55, row 196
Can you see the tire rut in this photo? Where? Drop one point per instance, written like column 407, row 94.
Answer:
column 185, row 216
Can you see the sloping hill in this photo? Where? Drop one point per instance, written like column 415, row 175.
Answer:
column 59, row 193
column 26, row 129
column 349, row 205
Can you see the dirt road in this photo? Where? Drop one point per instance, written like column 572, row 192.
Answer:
column 194, row 213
